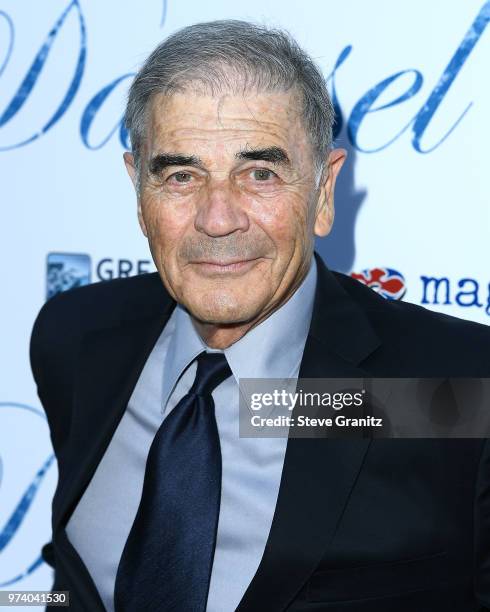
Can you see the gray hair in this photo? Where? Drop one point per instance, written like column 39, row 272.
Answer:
column 230, row 54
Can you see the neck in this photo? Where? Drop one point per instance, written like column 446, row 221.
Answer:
column 222, row 336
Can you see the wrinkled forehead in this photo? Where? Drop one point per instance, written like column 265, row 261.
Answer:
column 228, row 121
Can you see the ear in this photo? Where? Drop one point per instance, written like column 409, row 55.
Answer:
column 325, row 206
column 133, row 175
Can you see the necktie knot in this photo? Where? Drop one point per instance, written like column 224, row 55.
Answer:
column 212, row 370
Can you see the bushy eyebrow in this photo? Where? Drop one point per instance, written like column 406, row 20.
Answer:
column 163, row 160
column 275, row 155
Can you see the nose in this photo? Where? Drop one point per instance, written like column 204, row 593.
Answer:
column 220, row 211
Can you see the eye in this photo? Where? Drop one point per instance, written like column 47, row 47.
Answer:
column 262, row 174
column 180, row 177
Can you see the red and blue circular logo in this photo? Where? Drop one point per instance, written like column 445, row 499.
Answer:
column 389, row 283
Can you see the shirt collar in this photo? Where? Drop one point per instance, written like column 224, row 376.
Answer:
column 276, row 344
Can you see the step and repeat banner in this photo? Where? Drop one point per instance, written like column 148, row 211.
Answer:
column 409, row 80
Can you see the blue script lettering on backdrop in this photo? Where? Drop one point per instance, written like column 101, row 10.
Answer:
column 35, row 70
column 361, row 109
column 91, row 110
column 339, row 119
column 365, row 106
column 21, row 509
column 451, row 71
column 425, row 114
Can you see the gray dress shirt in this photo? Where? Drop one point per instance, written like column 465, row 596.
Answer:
column 252, row 467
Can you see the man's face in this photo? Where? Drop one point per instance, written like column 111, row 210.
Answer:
column 229, row 201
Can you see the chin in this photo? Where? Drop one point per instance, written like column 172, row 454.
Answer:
column 222, row 310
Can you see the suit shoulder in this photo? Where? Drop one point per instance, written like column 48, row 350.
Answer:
column 63, row 321
column 66, row 317
column 98, row 304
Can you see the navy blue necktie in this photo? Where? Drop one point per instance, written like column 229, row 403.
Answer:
column 166, row 562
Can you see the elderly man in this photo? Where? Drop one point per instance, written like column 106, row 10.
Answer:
column 160, row 504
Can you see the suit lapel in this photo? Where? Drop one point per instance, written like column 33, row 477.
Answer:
column 318, row 474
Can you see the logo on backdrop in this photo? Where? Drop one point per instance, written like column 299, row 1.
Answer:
column 463, row 292
column 69, row 270
column 66, row 271
column 387, row 282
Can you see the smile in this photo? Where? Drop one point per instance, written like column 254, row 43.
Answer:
column 212, row 268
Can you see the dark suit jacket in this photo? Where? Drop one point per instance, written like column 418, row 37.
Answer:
column 361, row 525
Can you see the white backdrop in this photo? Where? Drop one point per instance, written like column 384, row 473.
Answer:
column 411, row 81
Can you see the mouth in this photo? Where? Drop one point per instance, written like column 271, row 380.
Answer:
column 210, row 267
